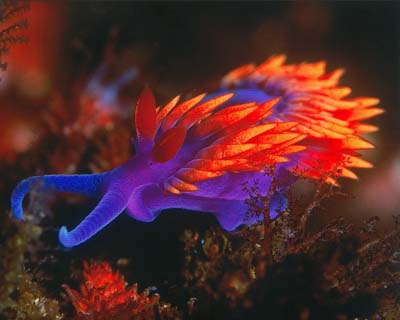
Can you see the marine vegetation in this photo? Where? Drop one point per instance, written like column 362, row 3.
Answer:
column 104, row 295
column 12, row 26
column 196, row 154
column 341, row 271
column 21, row 296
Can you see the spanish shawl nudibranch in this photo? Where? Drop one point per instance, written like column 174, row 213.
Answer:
column 197, row 154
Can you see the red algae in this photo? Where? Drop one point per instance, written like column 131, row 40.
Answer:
column 104, row 294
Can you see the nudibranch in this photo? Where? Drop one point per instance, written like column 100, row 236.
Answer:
column 197, row 154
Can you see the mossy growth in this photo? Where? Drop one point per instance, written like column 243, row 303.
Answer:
column 21, row 297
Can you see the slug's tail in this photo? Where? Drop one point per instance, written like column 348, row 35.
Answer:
column 83, row 184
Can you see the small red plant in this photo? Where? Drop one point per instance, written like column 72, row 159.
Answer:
column 104, row 295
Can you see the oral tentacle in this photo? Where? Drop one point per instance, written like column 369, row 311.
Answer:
column 85, row 184
column 109, row 208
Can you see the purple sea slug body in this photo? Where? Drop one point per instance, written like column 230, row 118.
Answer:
column 197, row 154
